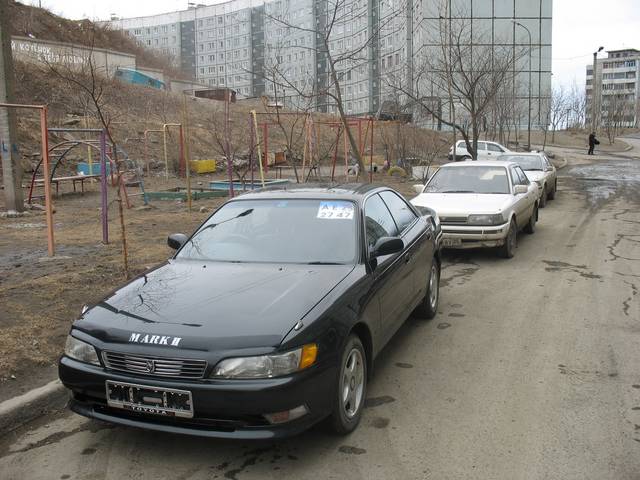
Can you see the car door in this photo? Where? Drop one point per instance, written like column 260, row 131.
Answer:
column 550, row 171
column 493, row 150
column 417, row 236
column 390, row 276
column 524, row 201
column 482, row 151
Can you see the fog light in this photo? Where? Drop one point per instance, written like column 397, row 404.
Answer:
column 287, row 415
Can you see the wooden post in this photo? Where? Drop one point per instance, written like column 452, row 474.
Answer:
column 47, row 181
column 103, row 187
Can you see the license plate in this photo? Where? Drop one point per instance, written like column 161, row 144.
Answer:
column 166, row 402
column 451, row 242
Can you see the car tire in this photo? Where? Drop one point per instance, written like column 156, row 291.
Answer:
column 531, row 225
column 510, row 242
column 465, row 158
column 552, row 193
column 429, row 305
column 543, row 197
column 351, row 390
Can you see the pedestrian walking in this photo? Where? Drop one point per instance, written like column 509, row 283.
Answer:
column 593, row 141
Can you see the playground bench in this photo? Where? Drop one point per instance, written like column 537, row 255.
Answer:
column 72, row 178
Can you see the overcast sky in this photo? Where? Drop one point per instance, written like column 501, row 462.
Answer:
column 579, row 26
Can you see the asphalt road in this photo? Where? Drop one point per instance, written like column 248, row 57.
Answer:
column 531, row 370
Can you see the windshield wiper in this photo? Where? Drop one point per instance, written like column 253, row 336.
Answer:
column 241, row 214
column 458, row 191
column 324, row 263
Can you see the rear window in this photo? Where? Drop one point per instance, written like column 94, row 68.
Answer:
column 469, row 179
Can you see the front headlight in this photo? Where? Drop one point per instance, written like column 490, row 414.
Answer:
column 81, row 351
column 496, row 219
column 267, row 366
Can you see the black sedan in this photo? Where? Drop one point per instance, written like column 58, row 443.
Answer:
column 265, row 321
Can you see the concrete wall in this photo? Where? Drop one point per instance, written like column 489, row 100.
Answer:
column 184, row 86
column 44, row 51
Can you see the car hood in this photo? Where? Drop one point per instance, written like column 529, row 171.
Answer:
column 212, row 305
column 534, row 175
column 463, row 203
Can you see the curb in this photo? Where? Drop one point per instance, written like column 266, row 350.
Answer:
column 17, row 411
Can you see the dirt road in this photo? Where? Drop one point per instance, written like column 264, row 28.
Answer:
column 530, row 371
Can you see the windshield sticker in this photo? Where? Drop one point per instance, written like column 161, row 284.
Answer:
column 336, row 210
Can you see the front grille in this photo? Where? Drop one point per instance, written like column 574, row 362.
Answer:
column 154, row 366
column 453, row 220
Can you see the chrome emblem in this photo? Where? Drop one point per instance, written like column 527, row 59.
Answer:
column 150, row 366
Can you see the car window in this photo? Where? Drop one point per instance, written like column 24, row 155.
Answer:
column 519, row 177
column 469, row 179
column 546, row 161
column 526, row 162
column 524, row 180
column 400, row 211
column 494, row 148
column 245, row 231
column 378, row 221
column 482, row 145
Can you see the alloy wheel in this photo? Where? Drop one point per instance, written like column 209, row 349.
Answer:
column 352, row 383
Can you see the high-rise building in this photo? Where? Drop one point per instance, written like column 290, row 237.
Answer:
column 617, row 89
column 291, row 49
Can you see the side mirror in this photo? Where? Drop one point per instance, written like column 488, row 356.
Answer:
column 418, row 188
column 520, row 189
column 176, row 240
column 387, row 246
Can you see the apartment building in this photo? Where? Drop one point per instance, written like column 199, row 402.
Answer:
column 287, row 49
column 616, row 89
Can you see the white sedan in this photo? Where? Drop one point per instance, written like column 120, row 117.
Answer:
column 481, row 204
column 539, row 169
column 486, row 151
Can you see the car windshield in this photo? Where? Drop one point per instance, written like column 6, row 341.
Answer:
column 277, row 231
column 526, row 162
column 469, row 179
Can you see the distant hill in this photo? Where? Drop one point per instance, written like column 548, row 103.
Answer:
column 28, row 21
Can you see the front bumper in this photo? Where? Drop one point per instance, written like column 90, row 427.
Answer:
column 464, row 236
column 222, row 408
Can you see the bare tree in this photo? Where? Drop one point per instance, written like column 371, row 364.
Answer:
column 618, row 112
column 93, row 83
column 291, row 127
column 476, row 75
column 556, row 110
column 338, row 58
column 577, row 105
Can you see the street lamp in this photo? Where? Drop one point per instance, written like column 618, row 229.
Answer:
column 529, row 116
column 594, row 90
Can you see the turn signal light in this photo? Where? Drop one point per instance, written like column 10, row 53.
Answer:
column 308, row 357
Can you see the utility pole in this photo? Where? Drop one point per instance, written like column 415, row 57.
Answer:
column 11, row 171
column 594, row 91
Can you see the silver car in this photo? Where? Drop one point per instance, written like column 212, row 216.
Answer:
column 481, row 204
column 539, row 169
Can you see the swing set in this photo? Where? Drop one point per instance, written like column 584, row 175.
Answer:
column 311, row 153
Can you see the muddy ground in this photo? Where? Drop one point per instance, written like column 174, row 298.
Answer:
column 41, row 296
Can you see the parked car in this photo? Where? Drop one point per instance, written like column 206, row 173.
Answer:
column 481, row 204
column 266, row 320
column 539, row 169
column 486, row 150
